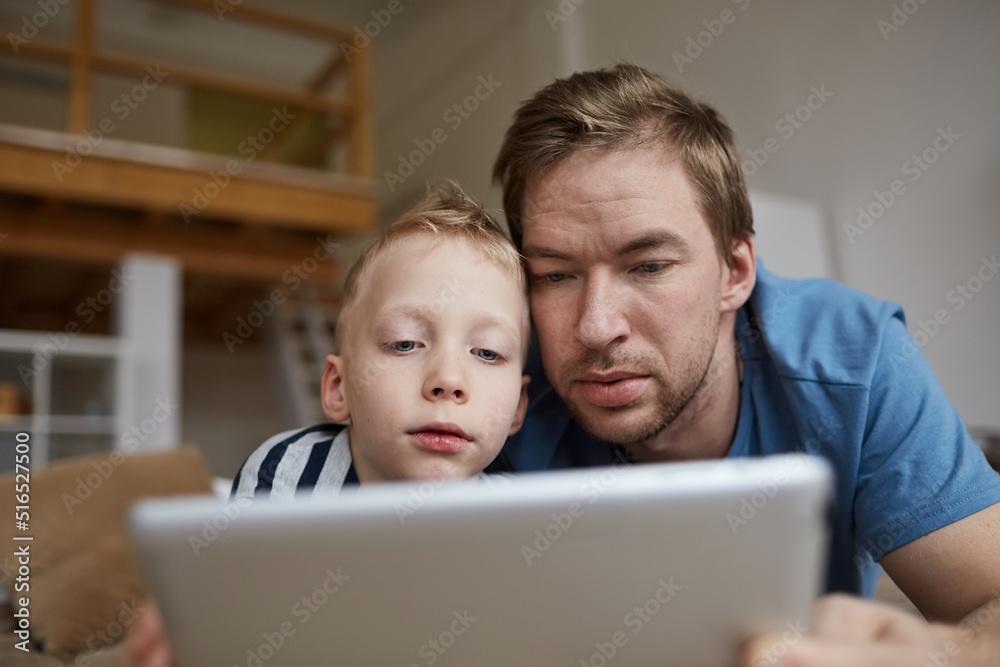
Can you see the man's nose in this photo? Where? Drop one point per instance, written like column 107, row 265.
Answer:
column 602, row 319
column 446, row 378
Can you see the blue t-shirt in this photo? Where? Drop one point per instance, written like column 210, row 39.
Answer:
column 832, row 371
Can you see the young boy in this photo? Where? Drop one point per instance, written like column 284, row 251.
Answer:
column 431, row 338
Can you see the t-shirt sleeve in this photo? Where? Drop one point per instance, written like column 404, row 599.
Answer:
column 919, row 469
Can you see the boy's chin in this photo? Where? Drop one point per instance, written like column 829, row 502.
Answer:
column 440, row 468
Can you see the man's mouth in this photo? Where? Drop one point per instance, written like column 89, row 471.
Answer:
column 441, row 437
column 612, row 389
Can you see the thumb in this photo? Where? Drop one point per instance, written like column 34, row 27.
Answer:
column 762, row 651
column 772, row 651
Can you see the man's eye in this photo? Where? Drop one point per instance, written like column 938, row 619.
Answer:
column 552, row 277
column 403, row 346
column 487, row 355
column 652, row 268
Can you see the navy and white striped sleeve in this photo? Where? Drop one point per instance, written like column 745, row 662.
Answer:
column 293, row 462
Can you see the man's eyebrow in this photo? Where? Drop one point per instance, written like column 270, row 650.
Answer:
column 541, row 252
column 652, row 240
column 655, row 239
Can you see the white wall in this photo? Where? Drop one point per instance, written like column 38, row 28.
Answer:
column 231, row 403
column 889, row 98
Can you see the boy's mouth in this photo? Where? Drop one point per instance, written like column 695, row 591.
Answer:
column 441, row 437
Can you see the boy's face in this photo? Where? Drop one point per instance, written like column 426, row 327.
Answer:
column 430, row 367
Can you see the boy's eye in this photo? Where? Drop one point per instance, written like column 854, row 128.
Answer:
column 486, row 355
column 404, row 346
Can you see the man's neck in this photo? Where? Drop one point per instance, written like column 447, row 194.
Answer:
column 707, row 426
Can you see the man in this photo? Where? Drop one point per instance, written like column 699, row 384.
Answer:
column 664, row 340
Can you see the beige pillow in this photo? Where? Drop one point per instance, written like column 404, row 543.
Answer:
column 84, row 583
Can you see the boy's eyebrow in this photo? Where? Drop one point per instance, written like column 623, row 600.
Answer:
column 409, row 310
column 482, row 318
column 647, row 241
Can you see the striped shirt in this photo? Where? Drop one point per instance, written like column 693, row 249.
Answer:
column 311, row 461
column 314, row 460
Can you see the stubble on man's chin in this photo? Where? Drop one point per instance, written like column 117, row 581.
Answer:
column 607, row 424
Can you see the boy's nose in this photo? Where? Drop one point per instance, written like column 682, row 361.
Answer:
column 446, row 380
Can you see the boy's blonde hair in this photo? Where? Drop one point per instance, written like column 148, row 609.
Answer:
column 446, row 212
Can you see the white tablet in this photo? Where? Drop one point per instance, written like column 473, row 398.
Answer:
column 666, row 564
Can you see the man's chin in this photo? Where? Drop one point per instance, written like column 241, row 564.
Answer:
column 626, row 425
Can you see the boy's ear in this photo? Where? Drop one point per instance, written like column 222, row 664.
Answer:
column 522, row 406
column 334, row 401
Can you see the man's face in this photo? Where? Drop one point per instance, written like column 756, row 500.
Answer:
column 625, row 289
column 431, row 367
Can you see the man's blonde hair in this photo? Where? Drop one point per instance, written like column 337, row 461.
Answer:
column 621, row 108
column 446, row 212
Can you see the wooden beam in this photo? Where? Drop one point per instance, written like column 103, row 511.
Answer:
column 146, row 186
column 176, row 73
column 81, row 77
column 318, row 148
column 208, row 251
column 271, row 18
column 361, row 159
column 334, row 66
column 39, row 49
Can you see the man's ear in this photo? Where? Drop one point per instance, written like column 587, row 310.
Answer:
column 739, row 278
column 522, row 407
column 334, row 401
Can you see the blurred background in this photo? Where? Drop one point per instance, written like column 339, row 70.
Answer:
column 183, row 181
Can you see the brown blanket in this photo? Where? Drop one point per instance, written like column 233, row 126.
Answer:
column 83, row 586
